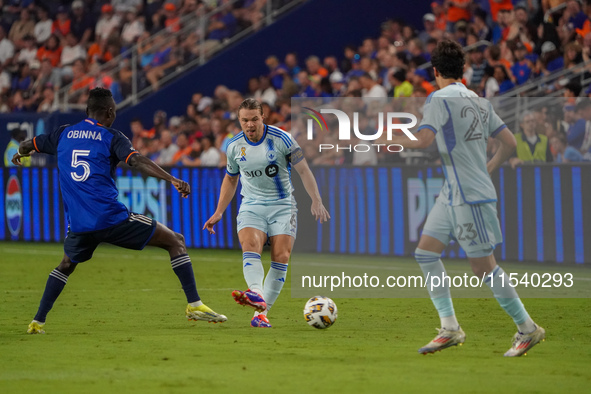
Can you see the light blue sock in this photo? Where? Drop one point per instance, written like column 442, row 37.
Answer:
column 431, row 264
column 509, row 300
column 252, row 267
column 274, row 283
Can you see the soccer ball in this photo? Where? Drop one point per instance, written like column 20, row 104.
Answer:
column 320, row 312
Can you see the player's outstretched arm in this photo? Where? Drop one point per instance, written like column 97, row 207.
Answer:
column 504, row 152
column 229, row 186
column 149, row 168
column 24, row 149
column 318, row 210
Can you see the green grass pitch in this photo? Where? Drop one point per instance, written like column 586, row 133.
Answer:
column 119, row 327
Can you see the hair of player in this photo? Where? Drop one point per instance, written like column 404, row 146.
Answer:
column 251, row 103
column 448, row 58
column 99, row 99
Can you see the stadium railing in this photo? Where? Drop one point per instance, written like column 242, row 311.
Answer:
column 194, row 22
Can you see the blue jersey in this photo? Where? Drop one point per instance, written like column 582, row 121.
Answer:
column 87, row 155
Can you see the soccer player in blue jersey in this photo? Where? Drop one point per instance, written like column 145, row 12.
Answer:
column 262, row 156
column 87, row 156
column 461, row 123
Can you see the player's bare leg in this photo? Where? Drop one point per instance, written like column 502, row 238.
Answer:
column 528, row 334
column 174, row 243
column 252, row 241
column 450, row 334
column 55, row 284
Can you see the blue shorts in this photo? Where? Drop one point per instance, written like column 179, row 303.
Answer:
column 474, row 226
column 133, row 233
column 272, row 219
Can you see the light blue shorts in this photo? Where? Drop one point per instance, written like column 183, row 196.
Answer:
column 272, row 219
column 474, row 226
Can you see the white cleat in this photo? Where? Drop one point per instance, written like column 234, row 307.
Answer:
column 523, row 342
column 444, row 339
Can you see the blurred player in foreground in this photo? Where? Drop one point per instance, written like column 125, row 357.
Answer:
column 87, row 156
column 263, row 155
column 461, row 123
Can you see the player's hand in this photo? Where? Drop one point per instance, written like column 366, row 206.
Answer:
column 182, row 187
column 319, row 212
column 216, row 217
column 16, row 159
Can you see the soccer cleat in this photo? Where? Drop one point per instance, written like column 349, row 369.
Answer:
column 260, row 321
column 205, row 313
column 523, row 342
column 444, row 339
column 36, row 327
column 250, row 298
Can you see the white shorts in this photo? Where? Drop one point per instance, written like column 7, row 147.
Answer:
column 474, row 226
column 272, row 219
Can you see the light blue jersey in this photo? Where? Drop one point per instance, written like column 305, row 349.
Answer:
column 462, row 122
column 264, row 166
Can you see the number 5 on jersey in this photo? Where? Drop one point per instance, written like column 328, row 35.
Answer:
column 76, row 162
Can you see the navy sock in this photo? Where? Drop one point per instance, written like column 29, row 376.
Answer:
column 55, row 284
column 182, row 267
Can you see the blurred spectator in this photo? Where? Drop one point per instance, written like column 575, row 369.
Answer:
column 531, row 146
column 172, row 21
column 47, row 103
column 17, row 136
column 192, row 159
column 24, row 26
column 81, row 81
column 71, row 52
column 291, row 62
column 182, row 143
column 48, row 75
column 579, row 134
column 420, row 80
column 265, row 93
column 81, row 23
column 51, row 51
column 502, row 77
column 522, row 67
column 22, row 78
column 429, row 28
column 314, row 67
column 28, row 52
column 457, row 10
column 62, row 24
column 276, row 71
column 564, row 153
column 167, row 149
column 44, row 25
column 370, row 88
column 402, row 88
column 107, row 24
column 132, row 28
column 6, row 49
column 210, row 156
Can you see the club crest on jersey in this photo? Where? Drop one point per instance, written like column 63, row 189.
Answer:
column 271, row 156
column 242, row 154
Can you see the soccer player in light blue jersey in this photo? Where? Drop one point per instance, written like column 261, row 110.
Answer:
column 461, row 123
column 262, row 156
column 87, row 155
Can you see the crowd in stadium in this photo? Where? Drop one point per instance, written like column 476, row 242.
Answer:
column 511, row 44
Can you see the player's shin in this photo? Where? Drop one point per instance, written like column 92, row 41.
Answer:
column 274, row 282
column 252, row 267
column 182, row 267
column 432, row 267
column 53, row 288
column 509, row 300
